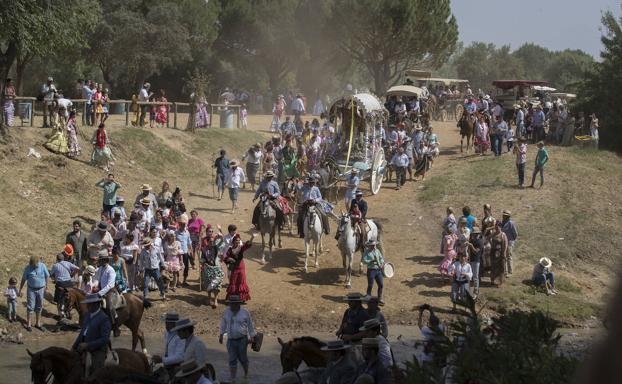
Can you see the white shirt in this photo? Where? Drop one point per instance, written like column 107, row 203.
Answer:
column 106, row 277
column 235, row 177
column 195, row 349
column 400, row 160
column 463, row 272
column 384, row 351
column 237, row 325
column 64, row 103
column 497, row 110
column 173, row 349
column 298, row 105
column 143, row 95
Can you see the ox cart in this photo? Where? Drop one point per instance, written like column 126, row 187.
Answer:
column 359, row 120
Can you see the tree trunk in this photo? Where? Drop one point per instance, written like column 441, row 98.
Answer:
column 6, row 61
column 20, row 68
column 380, row 82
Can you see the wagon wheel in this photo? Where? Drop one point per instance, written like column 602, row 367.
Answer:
column 458, row 111
column 377, row 171
column 443, row 115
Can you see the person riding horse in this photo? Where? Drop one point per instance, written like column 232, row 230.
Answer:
column 94, row 336
column 311, row 196
column 359, row 221
column 106, row 276
column 270, row 188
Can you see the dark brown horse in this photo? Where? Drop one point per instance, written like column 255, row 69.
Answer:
column 66, row 366
column 467, row 129
column 307, row 349
column 130, row 316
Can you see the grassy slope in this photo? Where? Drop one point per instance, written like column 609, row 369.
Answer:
column 42, row 197
column 573, row 220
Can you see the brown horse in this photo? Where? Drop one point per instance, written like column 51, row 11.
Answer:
column 467, row 128
column 130, row 316
column 65, row 366
column 307, row 349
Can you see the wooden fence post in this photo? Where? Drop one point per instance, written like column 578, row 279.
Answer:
column 127, row 114
column 84, row 115
column 168, row 116
column 175, row 115
column 32, row 113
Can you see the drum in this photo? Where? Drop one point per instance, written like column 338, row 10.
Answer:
column 388, row 270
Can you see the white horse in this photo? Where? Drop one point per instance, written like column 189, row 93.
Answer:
column 267, row 225
column 313, row 233
column 294, row 199
column 348, row 243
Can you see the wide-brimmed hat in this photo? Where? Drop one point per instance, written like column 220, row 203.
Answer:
column 90, row 270
column 370, row 342
column 257, row 145
column 371, row 242
column 233, row 163
column 120, row 199
column 234, row 299
column 170, row 316
column 354, row 170
column 104, row 257
column 354, row 296
column 370, row 324
column 102, row 226
column 145, row 187
column 546, row 262
column 358, row 193
column 187, row 368
column 182, row 324
column 365, row 378
column 476, row 230
column 288, row 378
column 269, row 174
column 506, row 213
column 68, row 249
column 335, row 345
column 92, row 298
column 147, row 241
column 183, row 218
column 418, row 128
column 145, row 201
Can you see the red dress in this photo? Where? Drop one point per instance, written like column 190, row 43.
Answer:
column 237, row 282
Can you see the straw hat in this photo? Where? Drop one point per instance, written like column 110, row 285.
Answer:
column 335, row 345
column 546, row 262
column 354, row 170
column 187, row 368
column 145, row 201
column 358, row 193
column 147, row 241
column 92, row 298
column 183, row 218
column 90, row 270
column 120, row 199
column 182, row 324
column 233, row 163
column 269, row 174
column 506, row 213
column 146, row 187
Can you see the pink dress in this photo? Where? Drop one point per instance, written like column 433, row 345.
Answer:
column 172, row 255
column 450, row 253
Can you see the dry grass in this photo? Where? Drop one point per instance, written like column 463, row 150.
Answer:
column 573, row 220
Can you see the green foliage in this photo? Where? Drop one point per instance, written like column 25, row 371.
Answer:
column 518, row 347
column 600, row 93
column 386, row 37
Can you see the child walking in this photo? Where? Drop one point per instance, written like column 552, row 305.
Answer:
column 11, row 299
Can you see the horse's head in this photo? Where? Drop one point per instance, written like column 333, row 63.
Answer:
column 307, row 349
column 40, row 367
column 68, row 301
column 344, row 220
column 289, row 361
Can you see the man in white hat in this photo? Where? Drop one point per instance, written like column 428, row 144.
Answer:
column 146, row 192
column 271, row 189
column 352, row 184
column 146, row 214
column 100, row 242
column 48, row 90
column 372, row 365
column 106, row 278
column 194, row 348
column 340, row 367
column 372, row 258
column 234, row 179
column 95, row 333
column 543, row 276
column 150, row 262
column 173, row 346
column 237, row 324
column 191, row 373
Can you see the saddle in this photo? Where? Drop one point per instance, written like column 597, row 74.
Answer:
column 118, row 301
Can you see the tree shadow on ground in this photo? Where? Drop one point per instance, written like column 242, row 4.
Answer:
column 221, row 210
column 192, row 194
column 85, row 219
column 426, row 279
column 194, row 299
column 426, row 260
column 335, row 299
column 318, row 276
column 281, row 258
